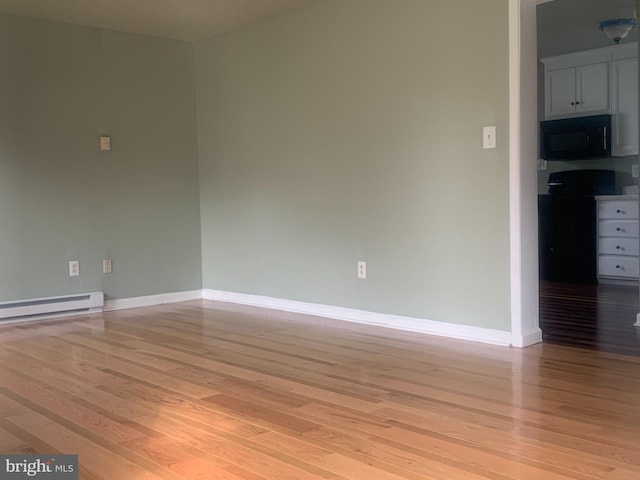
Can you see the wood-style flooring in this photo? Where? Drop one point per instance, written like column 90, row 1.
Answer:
column 204, row 390
column 599, row 317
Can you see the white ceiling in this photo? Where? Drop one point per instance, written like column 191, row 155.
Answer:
column 190, row 20
column 571, row 25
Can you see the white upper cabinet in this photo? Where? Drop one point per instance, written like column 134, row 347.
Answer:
column 624, row 108
column 577, row 90
column 592, row 88
column 560, row 86
column 594, row 82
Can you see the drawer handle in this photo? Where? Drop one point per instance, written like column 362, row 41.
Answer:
column 619, row 229
column 618, row 267
column 618, row 247
column 619, row 211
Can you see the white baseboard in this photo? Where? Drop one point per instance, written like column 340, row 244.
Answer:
column 527, row 339
column 151, row 300
column 452, row 330
column 410, row 324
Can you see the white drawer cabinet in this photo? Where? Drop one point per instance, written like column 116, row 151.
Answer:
column 621, row 267
column 618, row 243
column 618, row 209
column 618, row 246
column 618, row 228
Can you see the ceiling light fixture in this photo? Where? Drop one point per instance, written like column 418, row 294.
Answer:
column 617, row 29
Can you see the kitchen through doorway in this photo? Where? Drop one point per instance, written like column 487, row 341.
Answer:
column 588, row 235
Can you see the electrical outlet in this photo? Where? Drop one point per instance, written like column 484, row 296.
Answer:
column 74, row 268
column 106, row 266
column 542, row 164
column 105, row 143
column 362, row 269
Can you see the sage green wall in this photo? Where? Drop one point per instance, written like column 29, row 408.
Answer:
column 61, row 198
column 353, row 131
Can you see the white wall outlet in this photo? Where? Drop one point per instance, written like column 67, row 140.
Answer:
column 362, row 269
column 105, row 143
column 74, row 268
column 542, row 164
column 489, row 137
column 106, row 266
column 634, row 171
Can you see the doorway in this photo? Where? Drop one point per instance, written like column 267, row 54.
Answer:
column 589, row 315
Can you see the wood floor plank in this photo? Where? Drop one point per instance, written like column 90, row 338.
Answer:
column 95, row 457
column 597, row 316
column 206, row 390
column 9, row 442
column 49, row 401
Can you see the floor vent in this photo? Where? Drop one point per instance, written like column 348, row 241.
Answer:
column 38, row 308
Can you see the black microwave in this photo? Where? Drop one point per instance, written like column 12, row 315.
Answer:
column 578, row 138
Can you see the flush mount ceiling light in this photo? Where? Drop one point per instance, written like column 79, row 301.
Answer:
column 617, row 29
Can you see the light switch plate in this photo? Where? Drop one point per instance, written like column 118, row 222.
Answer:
column 489, row 137
column 105, row 143
column 542, row 164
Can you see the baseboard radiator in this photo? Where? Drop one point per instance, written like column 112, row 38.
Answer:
column 39, row 308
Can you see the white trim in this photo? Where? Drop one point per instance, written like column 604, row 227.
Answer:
column 515, row 245
column 527, row 339
column 152, row 300
column 525, row 329
column 452, row 330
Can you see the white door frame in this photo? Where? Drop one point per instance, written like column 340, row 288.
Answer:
column 523, row 206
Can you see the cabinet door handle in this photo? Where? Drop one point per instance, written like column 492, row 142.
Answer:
column 573, row 103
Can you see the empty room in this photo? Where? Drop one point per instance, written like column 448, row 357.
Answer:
column 287, row 239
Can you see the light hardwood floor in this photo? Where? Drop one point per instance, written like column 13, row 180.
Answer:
column 205, row 390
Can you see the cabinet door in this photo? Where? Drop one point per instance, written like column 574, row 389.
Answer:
column 592, row 85
column 560, row 92
column 624, row 109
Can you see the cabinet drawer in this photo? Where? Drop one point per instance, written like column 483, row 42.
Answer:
column 618, row 228
column 618, row 246
column 615, row 266
column 622, row 209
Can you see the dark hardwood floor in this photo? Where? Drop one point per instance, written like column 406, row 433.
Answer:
column 598, row 317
